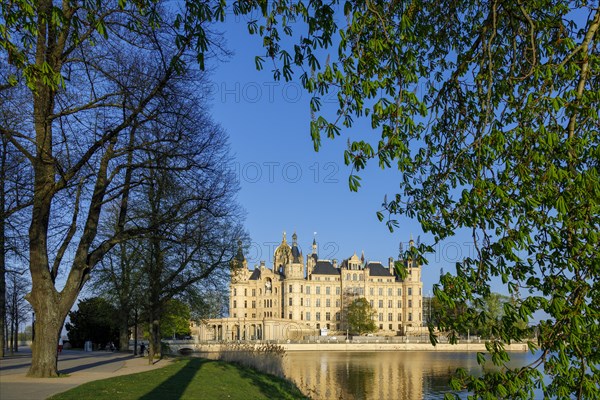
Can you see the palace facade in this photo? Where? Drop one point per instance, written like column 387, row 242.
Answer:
column 301, row 297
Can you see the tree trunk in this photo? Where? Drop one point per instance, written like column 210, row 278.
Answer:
column 16, row 329
column 44, row 348
column 123, row 330
column 2, row 257
column 155, row 349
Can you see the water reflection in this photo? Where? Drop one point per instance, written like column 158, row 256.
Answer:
column 379, row 375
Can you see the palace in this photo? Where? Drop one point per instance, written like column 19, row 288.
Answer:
column 306, row 297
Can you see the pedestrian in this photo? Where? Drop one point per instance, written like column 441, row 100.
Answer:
column 142, row 349
column 60, row 345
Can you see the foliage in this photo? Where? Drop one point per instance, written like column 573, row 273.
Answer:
column 93, row 320
column 489, row 112
column 193, row 378
column 175, row 319
column 359, row 316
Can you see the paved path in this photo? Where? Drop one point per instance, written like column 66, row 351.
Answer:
column 81, row 366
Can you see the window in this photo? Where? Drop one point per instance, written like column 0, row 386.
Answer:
column 253, row 292
column 301, row 289
column 360, row 277
column 308, row 315
column 337, row 290
column 347, row 277
column 354, row 277
column 245, row 303
column 390, row 327
column 390, row 318
column 327, row 302
column 381, row 317
column 290, row 301
column 328, row 316
column 390, row 304
column 419, row 291
column 399, row 303
column 253, row 303
column 390, row 291
column 371, row 303
column 399, row 317
column 381, row 326
column 290, row 291
column 301, row 301
column 380, row 303
column 307, row 302
column 371, row 291
column 381, row 291
column 318, row 303
column 253, row 315
column 410, row 316
column 301, row 315
column 410, row 291
column 307, row 289
column 290, row 315
column 235, row 304
column 327, row 290
column 337, row 302
column 318, row 316
column 399, row 291
column 410, row 304
column 235, row 292
column 245, row 292
column 318, row 289
column 337, row 316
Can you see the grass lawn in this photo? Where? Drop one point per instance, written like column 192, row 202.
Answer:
column 188, row 378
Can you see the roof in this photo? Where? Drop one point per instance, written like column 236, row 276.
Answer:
column 325, row 268
column 376, row 269
column 255, row 275
column 296, row 254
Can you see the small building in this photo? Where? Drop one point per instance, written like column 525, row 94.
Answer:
column 299, row 297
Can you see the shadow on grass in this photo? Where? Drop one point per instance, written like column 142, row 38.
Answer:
column 269, row 386
column 175, row 385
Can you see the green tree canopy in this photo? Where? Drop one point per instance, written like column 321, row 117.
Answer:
column 175, row 319
column 93, row 320
column 489, row 113
column 359, row 317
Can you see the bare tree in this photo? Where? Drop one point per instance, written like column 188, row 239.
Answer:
column 17, row 307
column 188, row 187
column 82, row 113
column 15, row 192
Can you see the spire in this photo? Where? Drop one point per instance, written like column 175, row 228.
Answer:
column 294, row 239
column 411, row 242
column 362, row 256
column 283, row 240
column 240, row 254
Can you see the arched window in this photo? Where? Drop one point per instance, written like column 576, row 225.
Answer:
column 353, row 277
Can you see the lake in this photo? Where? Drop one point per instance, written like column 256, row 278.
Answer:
column 381, row 375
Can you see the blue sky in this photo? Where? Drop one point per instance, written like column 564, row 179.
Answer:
column 286, row 185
